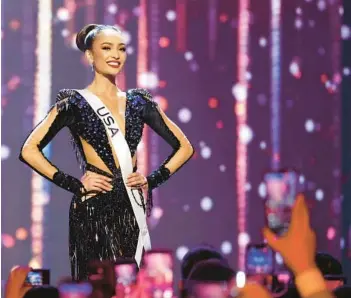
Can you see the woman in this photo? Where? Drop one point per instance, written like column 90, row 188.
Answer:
column 107, row 215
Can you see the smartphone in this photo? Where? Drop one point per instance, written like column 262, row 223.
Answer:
column 126, row 273
column 282, row 188
column 259, row 259
column 158, row 266
column 38, row 277
column 75, row 290
column 280, row 269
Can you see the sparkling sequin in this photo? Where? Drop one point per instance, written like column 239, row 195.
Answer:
column 104, row 226
column 88, row 125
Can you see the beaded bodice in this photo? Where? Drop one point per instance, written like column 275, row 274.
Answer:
column 73, row 111
column 87, row 125
column 76, row 113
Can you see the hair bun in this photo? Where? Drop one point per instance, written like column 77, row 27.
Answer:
column 82, row 34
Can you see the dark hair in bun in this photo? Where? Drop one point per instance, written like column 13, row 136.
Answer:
column 86, row 36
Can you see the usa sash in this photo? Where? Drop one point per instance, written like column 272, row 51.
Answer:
column 124, row 156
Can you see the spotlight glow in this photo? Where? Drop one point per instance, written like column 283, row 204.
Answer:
column 226, row 247
column 181, row 252
column 245, row 134
column 206, row 204
column 345, row 32
column 5, row 152
column 322, row 5
column 63, row 14
column 243, row 239
column 309, row 125
column 206, row 152
column 262, row 190
column 171, row 15
column 240, row 279
column 184, row 115
column 148, row 80
column 319, row 195
column 112, row 8
column 239, row 92
column 188, row 56
column 263, row 42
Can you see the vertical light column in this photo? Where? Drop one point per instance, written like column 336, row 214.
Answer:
column 90, row 18
column 110, row 10
column 28, row 45
column 240, row 92
column 335, row 56
column 112, row 17
column 121, row 79
column 90, row 11
column 154, row 158
column 181, row 25
column 275, row 82
column 212, row 30
column 71, row 7
column 42, row 101
column 142, row 69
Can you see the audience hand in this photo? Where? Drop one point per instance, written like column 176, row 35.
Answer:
column 15, row 287
column 298, row 245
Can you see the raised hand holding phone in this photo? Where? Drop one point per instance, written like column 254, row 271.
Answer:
column 15, row 285
column 298, row 245
column 282, row 188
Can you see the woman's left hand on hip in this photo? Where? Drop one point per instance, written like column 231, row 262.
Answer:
column 137, row 180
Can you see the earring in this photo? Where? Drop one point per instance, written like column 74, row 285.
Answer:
column 92, row 67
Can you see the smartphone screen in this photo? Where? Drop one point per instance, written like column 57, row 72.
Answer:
column 282, row 189
column 126, row 274
column 259, row 259
column 280, row 269
column 75, row 290
column 159, row 270
column 38, row 277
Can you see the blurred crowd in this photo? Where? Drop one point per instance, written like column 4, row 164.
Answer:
column 205, row 273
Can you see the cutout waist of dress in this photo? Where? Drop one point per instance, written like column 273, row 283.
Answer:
column 117, row 175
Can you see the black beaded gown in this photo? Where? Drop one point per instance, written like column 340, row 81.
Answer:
column 102, row 227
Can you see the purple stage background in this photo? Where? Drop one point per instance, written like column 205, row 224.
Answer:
column 199, row 72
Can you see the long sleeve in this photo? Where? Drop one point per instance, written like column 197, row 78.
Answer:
column 172, row 134
column 59, row 116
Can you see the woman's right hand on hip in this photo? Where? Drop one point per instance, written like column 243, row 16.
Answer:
column 96, row 182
